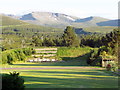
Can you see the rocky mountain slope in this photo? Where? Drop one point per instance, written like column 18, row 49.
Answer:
column 61, row 20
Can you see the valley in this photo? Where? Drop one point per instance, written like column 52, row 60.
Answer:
column 55, row 50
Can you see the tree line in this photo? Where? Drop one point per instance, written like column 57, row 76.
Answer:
column 70, row 39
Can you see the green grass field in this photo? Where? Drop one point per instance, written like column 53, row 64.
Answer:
column 54, row 76
column 73, row 72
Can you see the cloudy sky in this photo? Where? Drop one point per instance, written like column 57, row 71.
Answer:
column 79, row 8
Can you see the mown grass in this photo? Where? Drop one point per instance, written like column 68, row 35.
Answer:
column 64, row 78
column 90, row 77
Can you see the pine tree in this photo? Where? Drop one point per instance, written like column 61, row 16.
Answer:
column 70, row 38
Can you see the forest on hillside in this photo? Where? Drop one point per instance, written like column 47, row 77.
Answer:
column 107, row 44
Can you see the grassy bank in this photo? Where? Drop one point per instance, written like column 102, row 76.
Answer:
column 72, row 51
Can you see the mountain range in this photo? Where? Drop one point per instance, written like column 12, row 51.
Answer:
column 59, row 20
column 26, row 25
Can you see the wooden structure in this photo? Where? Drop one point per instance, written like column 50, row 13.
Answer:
column 44, row 52
column 105, row 62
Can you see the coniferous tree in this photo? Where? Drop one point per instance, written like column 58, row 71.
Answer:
column 70, row 38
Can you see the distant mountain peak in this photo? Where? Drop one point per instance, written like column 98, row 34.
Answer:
column 46, row 18
column 27, row 17
column 84, row 19
column 91, row 18
column 61, row 20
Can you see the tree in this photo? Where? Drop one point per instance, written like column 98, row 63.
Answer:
column 48, row 42
column 111, row 40
column 37, row 41
column 70, row 38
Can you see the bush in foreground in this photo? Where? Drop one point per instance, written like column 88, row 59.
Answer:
column 12, row 81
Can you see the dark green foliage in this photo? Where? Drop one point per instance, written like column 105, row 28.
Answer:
column 102, row 48
column 27, row 51
column 89, row 57
column 12, row 81
column 70, row 38
column 36, row 40
column 109, row 41
column 21, row 54
column 93, row 40
column 112, row 40
column 48, row 42
column 96, row 61
column 106, row 49
column 94, row 58
column 10, row 56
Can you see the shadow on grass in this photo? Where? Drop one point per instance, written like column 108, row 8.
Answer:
column 66, row 61
column 69, row 82
column 70, row 73
column 83, row 57
column 68, row 79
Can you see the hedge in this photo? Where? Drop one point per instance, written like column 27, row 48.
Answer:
column 10, row 56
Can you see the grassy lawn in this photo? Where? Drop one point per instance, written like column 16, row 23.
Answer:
column 72, row 72
column 63, row 78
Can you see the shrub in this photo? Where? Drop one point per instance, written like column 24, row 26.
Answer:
column 4, row 58
column 22, row 55
column 89, row 59
column 12, row 81
column 14, row 55
column 114, row 67
column 27, row 51
column 94, row 58
column 101, row 49
column 96, row 61
column 106, row 49
column 103, row 53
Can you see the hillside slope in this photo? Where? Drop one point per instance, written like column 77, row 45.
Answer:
column 109, row 23
column 6, row 20
column 14, row 26
column 60, row 20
